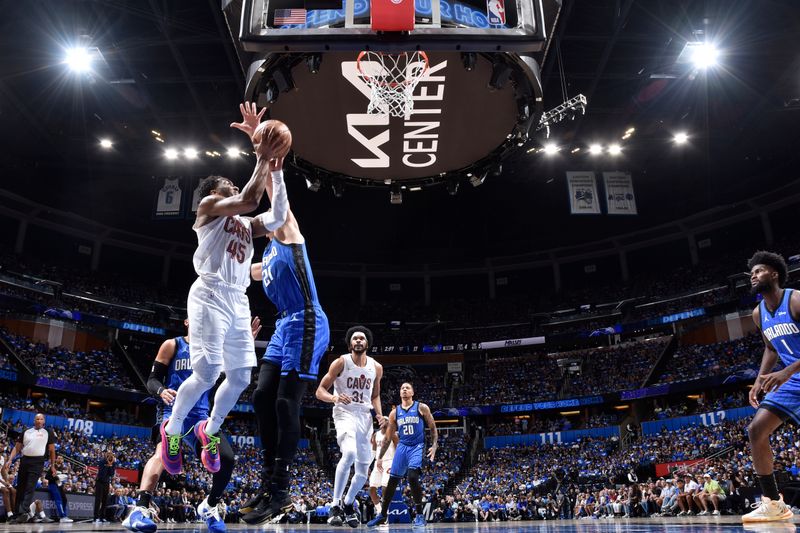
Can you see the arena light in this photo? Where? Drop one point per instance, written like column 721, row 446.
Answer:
column 106, row 143
column 550, row 149
column 233, row 152
column 595, row 149
column 681, row 138
column 704, row 55
column 614, row 149
column 78, row 59
column 190, row 153
column 171, row 153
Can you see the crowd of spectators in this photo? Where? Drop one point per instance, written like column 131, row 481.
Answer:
column 523, row 378
column 98, row 367
column 697, row 361
column 610, row 369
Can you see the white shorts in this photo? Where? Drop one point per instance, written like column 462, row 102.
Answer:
column 219, row 326
column 380, row 479
column 354, row 430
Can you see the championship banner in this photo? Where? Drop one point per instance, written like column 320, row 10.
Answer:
column 169, row 199
column 619, row 193
column 583, row 198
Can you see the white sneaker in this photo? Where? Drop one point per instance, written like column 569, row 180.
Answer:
column 702, row 513
column 65, row 520
column 682, row 513
column 378, row 508
column 768, row 511
column 714, row 513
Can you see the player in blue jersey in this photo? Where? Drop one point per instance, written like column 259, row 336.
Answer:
column 408, row 420
column 777, row 316
column 291, row 361
column 172, row 366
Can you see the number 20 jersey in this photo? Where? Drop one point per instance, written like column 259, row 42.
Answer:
column 357, row 383
column 410, row 425
column 224, row 251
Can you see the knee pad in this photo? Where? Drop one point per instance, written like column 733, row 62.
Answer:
column 239, row 378
column 205, row 373
column 288, row 409
column 413, row 476
column 362, row 469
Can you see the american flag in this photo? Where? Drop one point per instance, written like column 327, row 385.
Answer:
column 290, row 16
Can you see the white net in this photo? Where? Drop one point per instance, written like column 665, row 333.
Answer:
column 392, row 79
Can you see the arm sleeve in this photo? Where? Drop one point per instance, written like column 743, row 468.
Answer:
column 276, row 217
column 155, row 383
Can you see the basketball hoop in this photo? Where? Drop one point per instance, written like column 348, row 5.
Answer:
column 391, row 79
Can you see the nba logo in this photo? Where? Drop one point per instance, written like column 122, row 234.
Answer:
column 497, row 12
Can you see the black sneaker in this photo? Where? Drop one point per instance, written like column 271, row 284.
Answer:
column 337, row 516
column 351, row 515
column 23, row 518
column 278, row 504
column 259, row 501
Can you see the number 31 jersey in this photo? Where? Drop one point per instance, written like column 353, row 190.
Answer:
column 357, row 383
column 224, row 251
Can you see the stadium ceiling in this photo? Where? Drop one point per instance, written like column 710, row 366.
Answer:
column 171, row 67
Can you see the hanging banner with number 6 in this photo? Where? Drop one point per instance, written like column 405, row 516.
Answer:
column 169, row 199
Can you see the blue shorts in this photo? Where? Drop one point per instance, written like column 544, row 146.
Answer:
column 406, row 457
column 299, row 342
column 784, row 402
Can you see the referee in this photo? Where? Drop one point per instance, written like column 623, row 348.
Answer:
column 35, row 445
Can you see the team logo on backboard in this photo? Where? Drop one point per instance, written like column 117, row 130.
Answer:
column 496, row 9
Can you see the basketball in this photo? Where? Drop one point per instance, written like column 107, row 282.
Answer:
column 277, row 134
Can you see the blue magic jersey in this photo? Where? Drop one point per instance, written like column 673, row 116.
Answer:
column 179, row 370
column 782, row 331
column 410, row 425
column 287, row 278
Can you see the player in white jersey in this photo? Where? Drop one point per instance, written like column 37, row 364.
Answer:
column 356, row 381
column 379, row 476
column 218, row 308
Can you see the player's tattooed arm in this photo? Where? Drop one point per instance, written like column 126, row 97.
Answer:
column 376, row 396
column 391, row 430
column 425, row 411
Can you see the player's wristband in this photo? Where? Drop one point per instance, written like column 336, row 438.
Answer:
column 276, row 175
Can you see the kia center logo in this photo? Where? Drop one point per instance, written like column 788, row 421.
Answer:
column 456, row 119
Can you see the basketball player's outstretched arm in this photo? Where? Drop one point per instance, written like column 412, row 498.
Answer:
column 425, row 411
column 275, row 217
column 325, row 385
column 376, row 395
column 391, row 431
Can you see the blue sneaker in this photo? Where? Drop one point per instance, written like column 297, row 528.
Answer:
column 419, row 521
column 379, row 520
column 139, row 521
column 212, row 517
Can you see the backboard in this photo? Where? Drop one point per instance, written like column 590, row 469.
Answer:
column 456, row 25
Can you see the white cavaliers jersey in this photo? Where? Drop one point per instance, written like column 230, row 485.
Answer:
column 389, row 455
column 356, row 382
column 224, row 251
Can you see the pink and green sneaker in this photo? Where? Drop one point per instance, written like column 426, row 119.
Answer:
column 171, row 455
column 210, row 444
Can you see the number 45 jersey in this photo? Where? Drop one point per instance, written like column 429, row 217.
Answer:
column 224, row 251
column 357, row 383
